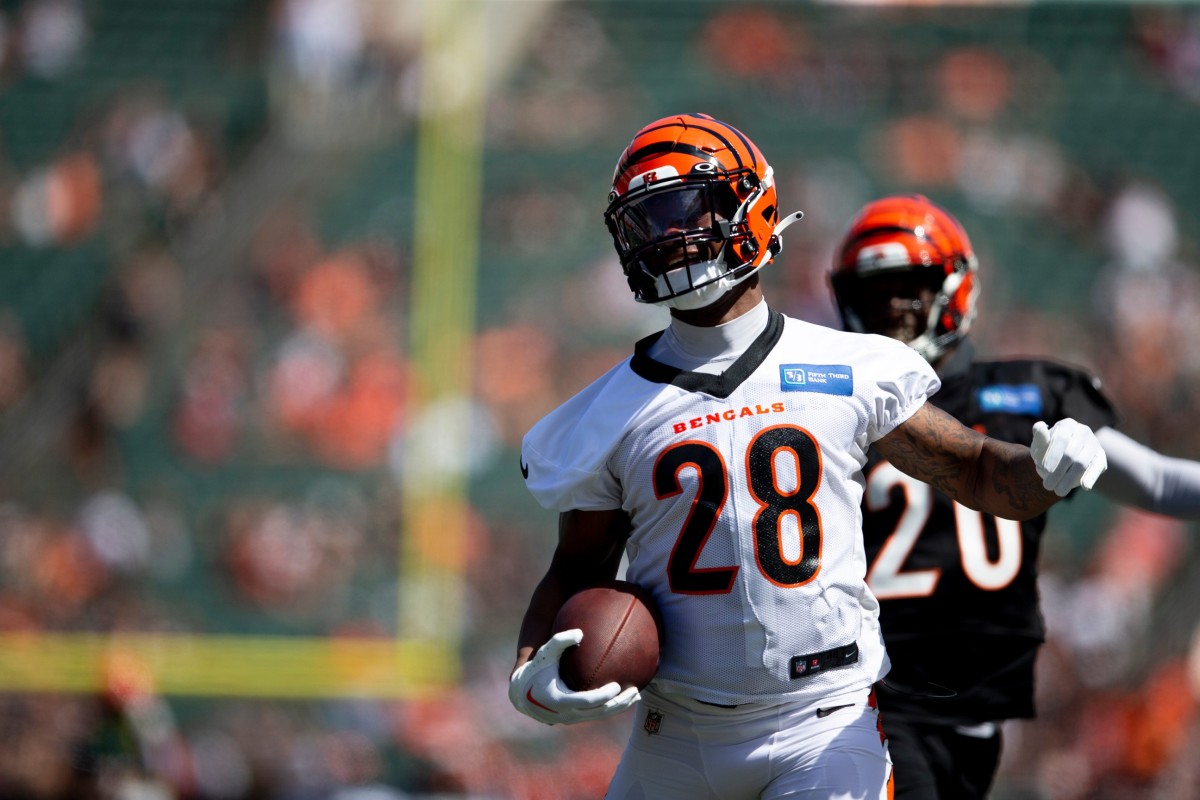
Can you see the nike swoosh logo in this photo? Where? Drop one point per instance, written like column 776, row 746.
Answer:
column 825, row 712
column 529, row 697
column 524, row 470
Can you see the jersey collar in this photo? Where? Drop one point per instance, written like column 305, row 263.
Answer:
column 719, row 386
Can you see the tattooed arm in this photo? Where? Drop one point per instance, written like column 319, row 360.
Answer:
column 981, row 473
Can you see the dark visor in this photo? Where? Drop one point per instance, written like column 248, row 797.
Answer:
column 880, row 286
column 659, row 215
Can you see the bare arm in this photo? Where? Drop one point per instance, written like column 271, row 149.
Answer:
column 589, row 550
column 981, row 473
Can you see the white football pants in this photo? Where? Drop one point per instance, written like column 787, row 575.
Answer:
column 682, row 749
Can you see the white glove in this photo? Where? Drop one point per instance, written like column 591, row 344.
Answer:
column 536, row 690
column 1067, row 455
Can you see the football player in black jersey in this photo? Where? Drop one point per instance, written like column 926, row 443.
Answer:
column 957, row 588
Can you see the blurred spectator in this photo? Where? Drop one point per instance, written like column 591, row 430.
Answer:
column 1147, row 300
column 118, row 385
column 52, row 34
column 793, row 70
column 14, row 376
column 322, row 40
column 294, row 560
column 340, row 69
column 338, row 379
column 514, row 377
column 116, row 531
column 1018, row 174
column 335, row 296
column 975, row 83
column 60, row 204
column 284, row 246
column 1169, row 37
column 578, row 89
column 1101, row 617
column 920, row 151
column 173, row 160
column 208, row 418
column 776, row 42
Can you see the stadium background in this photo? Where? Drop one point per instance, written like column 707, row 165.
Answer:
column 283, row 283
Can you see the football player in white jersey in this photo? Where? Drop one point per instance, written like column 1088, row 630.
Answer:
column 724, row 459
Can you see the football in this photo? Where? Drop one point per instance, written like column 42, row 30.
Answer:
column 622, row 634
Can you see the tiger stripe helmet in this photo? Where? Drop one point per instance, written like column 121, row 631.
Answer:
column 692, row 211
column 913, row 240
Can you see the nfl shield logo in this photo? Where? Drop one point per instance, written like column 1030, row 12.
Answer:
column 653, row 721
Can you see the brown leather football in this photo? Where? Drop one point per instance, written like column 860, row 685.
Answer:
column 622, row 634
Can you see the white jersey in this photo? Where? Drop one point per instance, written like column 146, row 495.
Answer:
column 743, row 489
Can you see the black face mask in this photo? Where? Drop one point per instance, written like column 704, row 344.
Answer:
column 890, row 301
column 660, row 231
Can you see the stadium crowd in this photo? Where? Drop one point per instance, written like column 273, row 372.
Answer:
column 295, row 367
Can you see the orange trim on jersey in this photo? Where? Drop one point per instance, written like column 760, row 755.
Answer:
column 762, row 506
column 873, row 702
column 733, row 569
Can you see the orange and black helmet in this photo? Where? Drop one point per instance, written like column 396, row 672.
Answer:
column 907, row 243
column 692, row 210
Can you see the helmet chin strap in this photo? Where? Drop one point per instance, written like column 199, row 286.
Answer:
column 712, row 291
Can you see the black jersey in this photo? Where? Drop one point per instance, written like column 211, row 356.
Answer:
column 957, row 588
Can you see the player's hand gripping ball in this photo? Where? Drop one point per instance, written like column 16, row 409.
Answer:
column 622, row 635
column 604, row 651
